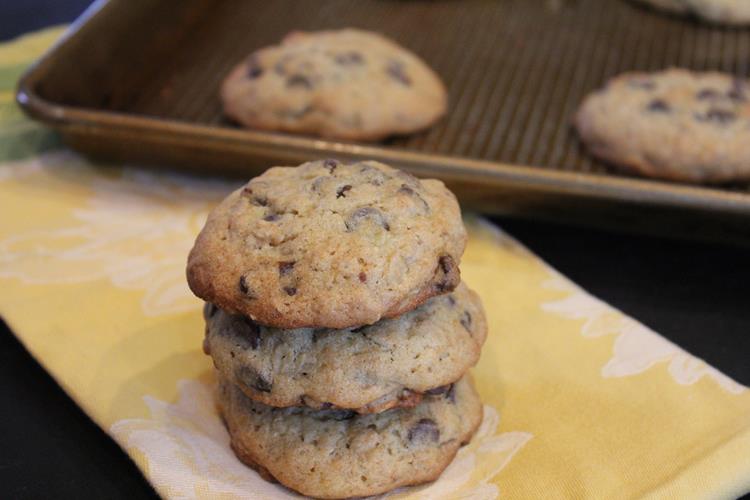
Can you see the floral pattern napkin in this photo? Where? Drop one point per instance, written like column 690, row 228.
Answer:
column 581, row 401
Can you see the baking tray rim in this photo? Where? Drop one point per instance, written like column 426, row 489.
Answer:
column 600, row 186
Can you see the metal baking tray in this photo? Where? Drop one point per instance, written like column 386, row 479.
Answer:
column 137, row 80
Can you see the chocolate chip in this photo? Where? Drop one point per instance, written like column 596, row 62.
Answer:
column 271, row 217
column 424, row 430
column 317, row 334
column 736, row 96
column 408, row 179
column 262, row 384
column 405, row 189
column 259, row 201
column 245, row 288
column 315, row 186
column 364, row 213
column 362, row 277
column 285, row 267
column 251, row 332
column 209, row 310
column 349, row 58
column 340, row 415
column 247, row 190
column 330, row 165
column 716, row 115
column 446, row 263
column 707, row 94
column 254, row 72
column 290, row 290
column 299, row 81
column 395, row 70
column 341, row 192
column 445, row 266
column 250, row 378
column 374, row 176
column 466, row 321
column 438, row 390
column 659, row 106
column 451, row 394
column 738, row 90
column 451, row 300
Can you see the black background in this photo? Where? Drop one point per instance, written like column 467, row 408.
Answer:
column 696, row 294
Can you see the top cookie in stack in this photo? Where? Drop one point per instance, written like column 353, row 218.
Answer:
column 329, row 245
column 338, row 326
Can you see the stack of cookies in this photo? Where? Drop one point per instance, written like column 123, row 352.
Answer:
column 339, row 328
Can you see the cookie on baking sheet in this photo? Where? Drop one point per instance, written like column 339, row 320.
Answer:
column 735, row 12
column 339, row 454
column 368, row 369
column 675, row 124
column 345, row 84
column 329, row 245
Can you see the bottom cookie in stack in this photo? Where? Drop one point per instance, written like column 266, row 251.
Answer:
column 339, row 453
column 356, row 411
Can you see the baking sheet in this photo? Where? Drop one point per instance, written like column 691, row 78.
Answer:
column 138, row 81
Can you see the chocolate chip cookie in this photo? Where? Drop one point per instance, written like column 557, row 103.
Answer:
column 735, row 12
column 329, row 245
column 339, row 454
column 675, row 124
column 368, row 369
column 345, row 84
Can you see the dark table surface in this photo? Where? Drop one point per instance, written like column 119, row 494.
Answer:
column 696, row 294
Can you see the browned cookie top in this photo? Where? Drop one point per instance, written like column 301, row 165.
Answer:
column 348, row 84
column 329, row 245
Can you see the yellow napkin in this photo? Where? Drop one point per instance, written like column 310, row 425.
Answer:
column 581, row 400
